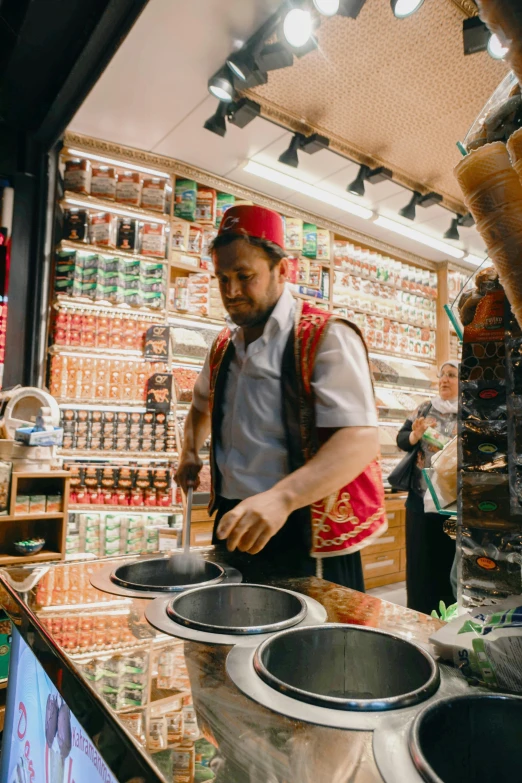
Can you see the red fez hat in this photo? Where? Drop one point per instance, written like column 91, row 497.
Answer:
column 255, row 222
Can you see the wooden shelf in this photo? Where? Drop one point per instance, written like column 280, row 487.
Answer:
column 84, row 303
column 40, row 557
column 117, row 207
column 29, row 517
column 84, row 247
column 84, row 507
column 85, row 453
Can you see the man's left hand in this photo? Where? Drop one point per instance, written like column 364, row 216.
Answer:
column 251, row 525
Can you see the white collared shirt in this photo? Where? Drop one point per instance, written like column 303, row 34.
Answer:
column 252, row 455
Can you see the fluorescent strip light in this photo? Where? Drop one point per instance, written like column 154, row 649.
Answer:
column 76, row 406
column 298, row 186
column 123, row 164
column 418, row 236
column 471, row 259
column 77, row 202
column 182, row 321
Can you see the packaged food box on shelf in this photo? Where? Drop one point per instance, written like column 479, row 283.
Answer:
column 121, row 680
column 94, row 330
column 187, row 342
column 382, row 299
column 115, row 280
column 384, row 334
column 85, row 632
column 71, row 585
column 115, row 183
column 135, row 431
column 184, row 380
column 110, row 232
column 365, row 263
column 122, row 485
column 90, row 378
column 106, row 534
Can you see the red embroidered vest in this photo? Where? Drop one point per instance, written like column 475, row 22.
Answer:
column 349, row 519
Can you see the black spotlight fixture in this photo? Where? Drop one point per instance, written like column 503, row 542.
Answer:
column 410, row 210
column 242, row 65
column 289, row 156
column 221, row 85
column 403, row 8
column 475, row 35
column 274, row 56
column 466, row 220
column 350, row 8
column 418, row 200
column 217, row 123
column 309, row 144
column 366, row 174
column 243, row 112
column 314, row 143
column 453, row 230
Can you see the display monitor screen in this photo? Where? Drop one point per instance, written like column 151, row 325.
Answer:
column 43, row 741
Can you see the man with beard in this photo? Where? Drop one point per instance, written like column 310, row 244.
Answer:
column 287, row 395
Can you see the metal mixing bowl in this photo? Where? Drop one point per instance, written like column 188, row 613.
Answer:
column 237, row 609
column 158, row 574
column 347, row 667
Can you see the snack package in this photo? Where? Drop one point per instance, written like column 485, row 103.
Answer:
column 486, row 645
column 103, row 182
column 75, row 225
column 103, row 229
column 153, row 240
column 206, row 202
column 323, row 244
column 180, row 235
column 223, row 202
column 435, row 438
column 77, row 176
column 153, row 194
column 293, row 234
column 128, row 188
column 484, row 446
column 484, row 401
column 185, row 199
column 309, row 240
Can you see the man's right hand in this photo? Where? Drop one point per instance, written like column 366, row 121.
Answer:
column 188, row 471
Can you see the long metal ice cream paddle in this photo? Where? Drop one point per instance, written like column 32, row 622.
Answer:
column 188, row 565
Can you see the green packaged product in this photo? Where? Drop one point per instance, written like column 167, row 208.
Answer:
column 224, row 202
column 185, row 199
column 309, row 240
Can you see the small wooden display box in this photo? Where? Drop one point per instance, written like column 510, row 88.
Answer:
column 49, row 525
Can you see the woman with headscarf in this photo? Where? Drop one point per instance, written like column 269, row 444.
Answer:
column 429, row 551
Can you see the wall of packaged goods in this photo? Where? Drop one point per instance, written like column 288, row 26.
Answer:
column 134, row 255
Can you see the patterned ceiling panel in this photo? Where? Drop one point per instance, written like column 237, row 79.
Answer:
column 388, row 91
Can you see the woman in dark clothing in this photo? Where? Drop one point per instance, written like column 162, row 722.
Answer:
column 429, row 551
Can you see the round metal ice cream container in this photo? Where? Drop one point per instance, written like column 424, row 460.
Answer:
column 467, row 739
column 237, row 609
column 347, row 667
column 159, row 574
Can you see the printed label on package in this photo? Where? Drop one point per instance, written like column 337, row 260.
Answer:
column 159, row 392
column 157, row 343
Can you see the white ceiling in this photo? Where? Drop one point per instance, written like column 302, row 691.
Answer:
column 153, row 96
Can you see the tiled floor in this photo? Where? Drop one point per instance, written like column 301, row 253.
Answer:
column 395, row 593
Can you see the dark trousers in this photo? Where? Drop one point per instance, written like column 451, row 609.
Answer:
column 286, row 555
column 429, row 558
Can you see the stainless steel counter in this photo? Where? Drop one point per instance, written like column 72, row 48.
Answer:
column 251, row 744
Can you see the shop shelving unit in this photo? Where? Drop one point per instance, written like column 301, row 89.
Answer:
column 51, row 526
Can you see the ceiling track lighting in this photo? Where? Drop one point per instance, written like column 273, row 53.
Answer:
column 239, row 113
column 217, row 123
column 453, row 230
column 418, row 200
column 310, row 144
column 404, row 8
column 350, row 8
column 221, row 85
column 274, row 56
column 367, row 174
column 478, row 38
